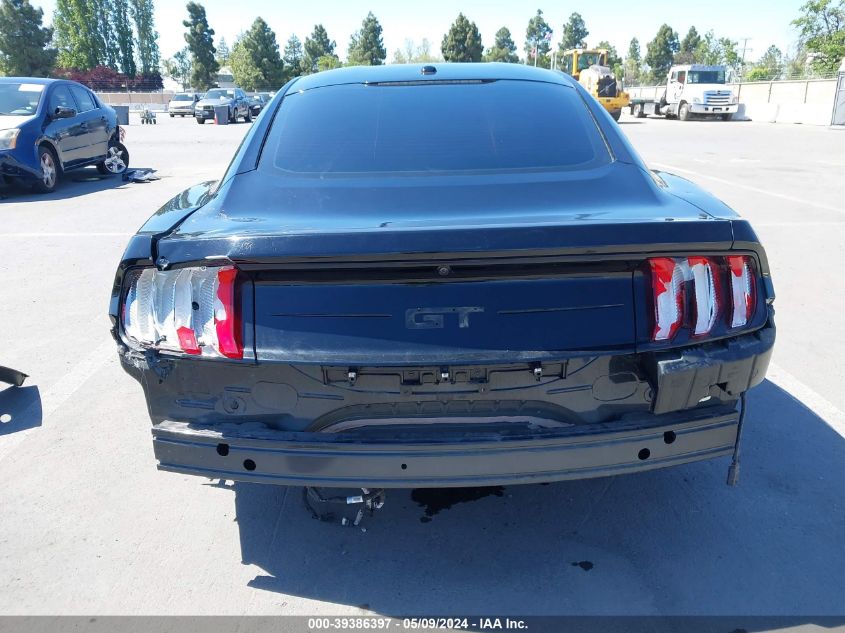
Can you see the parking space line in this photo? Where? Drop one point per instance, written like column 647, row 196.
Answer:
column 782, row 196
column 814, row 401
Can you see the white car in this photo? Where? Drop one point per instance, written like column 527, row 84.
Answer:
column 183, row 104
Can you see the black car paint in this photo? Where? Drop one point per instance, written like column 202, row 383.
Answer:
column 377, row 238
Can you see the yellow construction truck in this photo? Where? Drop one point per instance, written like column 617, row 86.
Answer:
column 589, row 67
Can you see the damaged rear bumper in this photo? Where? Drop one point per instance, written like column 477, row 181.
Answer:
column 325, row 459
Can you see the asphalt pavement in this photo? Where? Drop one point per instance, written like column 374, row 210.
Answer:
column 90, row 527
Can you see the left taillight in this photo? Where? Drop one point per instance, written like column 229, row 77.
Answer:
column 189, row 310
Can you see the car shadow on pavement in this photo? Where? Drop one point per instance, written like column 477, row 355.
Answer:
column 73, row 184
column 674, row 541
column 20, row 409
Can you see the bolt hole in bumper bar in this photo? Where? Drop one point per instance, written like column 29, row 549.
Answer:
column 323, row 459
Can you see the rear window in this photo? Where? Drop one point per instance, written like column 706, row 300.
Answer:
column 449, row 127
column 183, row 97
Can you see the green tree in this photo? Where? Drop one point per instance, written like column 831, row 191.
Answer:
column 293, row 57
column 399, row 57
column 328, row 62
column 633, row 63
column 769, row 66
column 105, row 32
column 317, row 45
column 255, row 59
column 76, row 35
column 123, row 36
column 146, row 43
column 223, row 52
column 688, row 47
column 24, row 43
column 200, row 39
column 535, row 37
column 796, row 65
column 366, row 47
column 244, row 71
column 423, row 54
column 184, row 66
column 574, row 33
column 821, row 31
column 730, row 56
column 504, row 48
column 613, row 58
column 462, row 43
column 415, row 54
column 661, row 52
column 614, row 62
column 718, row 51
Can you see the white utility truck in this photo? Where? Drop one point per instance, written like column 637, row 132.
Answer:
column 692, row 89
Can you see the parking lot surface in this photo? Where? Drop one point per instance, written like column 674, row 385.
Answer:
column 90, row 527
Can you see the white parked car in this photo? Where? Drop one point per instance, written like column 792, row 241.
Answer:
column 183, row 104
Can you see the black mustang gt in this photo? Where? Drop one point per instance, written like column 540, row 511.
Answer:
column 407, row 277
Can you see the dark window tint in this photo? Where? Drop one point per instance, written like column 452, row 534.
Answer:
column 501, row 125
column 83, row 99
column 707, row 76
column 60, row 97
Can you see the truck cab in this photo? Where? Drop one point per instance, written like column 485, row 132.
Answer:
column 699, row 89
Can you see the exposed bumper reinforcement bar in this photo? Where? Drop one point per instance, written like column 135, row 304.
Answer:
column 323, row 459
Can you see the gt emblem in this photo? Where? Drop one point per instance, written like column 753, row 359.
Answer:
column 434, row 318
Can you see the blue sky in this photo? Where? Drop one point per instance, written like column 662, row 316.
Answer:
column 614, row 20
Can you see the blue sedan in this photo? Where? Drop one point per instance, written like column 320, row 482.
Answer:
column 48, row 126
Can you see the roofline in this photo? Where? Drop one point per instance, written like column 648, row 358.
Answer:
column 413, row 73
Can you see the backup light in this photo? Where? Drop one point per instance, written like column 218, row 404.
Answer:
column 189, row 310
column 707, row 293
column 742, row 289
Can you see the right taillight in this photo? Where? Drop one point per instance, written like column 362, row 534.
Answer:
column 742, row 291
column 699, row 293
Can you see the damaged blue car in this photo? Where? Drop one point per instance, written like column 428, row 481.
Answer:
column 407, row 278
column 49, row 126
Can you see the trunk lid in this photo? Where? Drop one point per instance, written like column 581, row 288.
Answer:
column 443, row 270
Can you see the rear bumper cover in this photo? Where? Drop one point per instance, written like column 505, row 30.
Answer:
column 322, row 459
column 692, row 418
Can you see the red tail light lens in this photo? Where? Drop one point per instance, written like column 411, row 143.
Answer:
column 707, row 292
column 743, row 293
column 226, row 319
column 667, row 284
column 189, row 310
column 696, row 286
